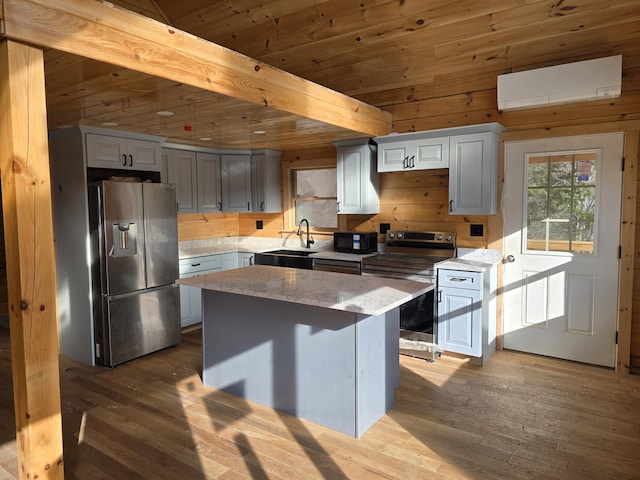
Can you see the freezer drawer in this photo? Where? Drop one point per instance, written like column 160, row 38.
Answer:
column 137, row 324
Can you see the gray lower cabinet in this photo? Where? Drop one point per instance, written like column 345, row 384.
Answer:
column 190, row 297
column 245, row 259
column 466, row 312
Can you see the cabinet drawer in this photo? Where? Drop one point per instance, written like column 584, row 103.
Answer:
column 459, row 279
column 190, row 266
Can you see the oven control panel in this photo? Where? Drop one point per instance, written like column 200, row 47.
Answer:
column 399, row 237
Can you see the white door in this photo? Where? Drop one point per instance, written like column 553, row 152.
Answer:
column 561, row 204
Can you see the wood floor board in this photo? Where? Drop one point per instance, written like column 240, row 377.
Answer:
column 520, row 417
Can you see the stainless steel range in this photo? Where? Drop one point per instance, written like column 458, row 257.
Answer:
column 411, row 255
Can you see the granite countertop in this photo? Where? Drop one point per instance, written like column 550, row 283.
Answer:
column 368, row 295
column 463, row 265
column 471, row 260
column 191, row 251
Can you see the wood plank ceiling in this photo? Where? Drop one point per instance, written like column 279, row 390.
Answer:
column 383, row 52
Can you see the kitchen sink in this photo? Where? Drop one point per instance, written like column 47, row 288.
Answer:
column 296, row 253
column 285, row 258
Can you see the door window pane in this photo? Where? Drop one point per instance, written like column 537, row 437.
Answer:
column 561, row 202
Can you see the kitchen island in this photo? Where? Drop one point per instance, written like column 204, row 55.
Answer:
column 319, row 345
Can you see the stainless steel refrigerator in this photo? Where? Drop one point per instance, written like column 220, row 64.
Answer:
column 134, row 258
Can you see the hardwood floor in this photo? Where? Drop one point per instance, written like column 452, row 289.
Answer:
column 519, row 417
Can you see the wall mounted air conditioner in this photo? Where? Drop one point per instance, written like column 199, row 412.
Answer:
column 572, row 82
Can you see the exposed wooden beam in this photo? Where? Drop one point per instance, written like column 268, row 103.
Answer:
column 31, row 274
column 103, row 32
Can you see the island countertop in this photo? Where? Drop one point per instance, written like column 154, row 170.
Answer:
column 337, row 291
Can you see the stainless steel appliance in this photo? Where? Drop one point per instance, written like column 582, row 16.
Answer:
column 355, row 242
column 411, row 255
column 352, row 267
column 134, row 263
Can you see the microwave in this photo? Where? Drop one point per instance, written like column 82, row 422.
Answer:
column 355, row 242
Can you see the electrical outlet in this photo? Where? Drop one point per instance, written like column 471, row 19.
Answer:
column 259, row 225
column 385, row 227
column 477, row 230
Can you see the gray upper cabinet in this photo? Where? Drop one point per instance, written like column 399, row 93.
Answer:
column 105, row 151
column 235, row 179
column 196, row 176
column 473, row 174
column 211, row 182
column 265, row 182
column 358, row 180
column 470, row 153
column 396, row 154
column 181, row 171
column 209, row 191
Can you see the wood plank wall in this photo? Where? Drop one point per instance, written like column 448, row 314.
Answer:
column 417, row 200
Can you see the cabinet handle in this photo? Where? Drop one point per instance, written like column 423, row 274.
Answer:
column 458, row 279
column 124, row 160
column 338, row 205
column 405, row 162
column 412, row 161
column 262, row 206
column 219, row 206
column 251, row 259
column 248, row 206
column 195, row 264
column 131, row 160
column 451, row 205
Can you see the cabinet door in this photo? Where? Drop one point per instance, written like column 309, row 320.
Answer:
column 236, row 183
column 266, row 193
column 191, row 297
column 181, row 171
column 104, row 151
column 393, row 157
column 431, row 153
column 245, row 259
column 258, row 182
column 473, row 171
column 459, row 313
column 358, row 190
column 209, row 194
column 414, row 155
column 143, row 155
column 229, row 261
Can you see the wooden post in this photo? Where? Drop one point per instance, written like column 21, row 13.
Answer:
column 31, row 275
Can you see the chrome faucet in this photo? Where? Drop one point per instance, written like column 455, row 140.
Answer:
column 309, row 240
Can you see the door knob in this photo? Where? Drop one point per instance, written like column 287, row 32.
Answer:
column 510, row 258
